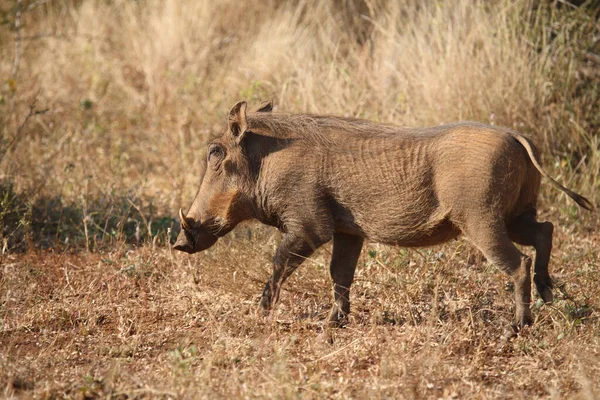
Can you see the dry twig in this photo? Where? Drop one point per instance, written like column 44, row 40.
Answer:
column 32, row 112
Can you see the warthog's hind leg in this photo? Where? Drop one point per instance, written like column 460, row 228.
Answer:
column 346, row 250
column 525, row 230
column 497, row 247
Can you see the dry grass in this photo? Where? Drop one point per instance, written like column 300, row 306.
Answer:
column 428, row 324
column 94, row 304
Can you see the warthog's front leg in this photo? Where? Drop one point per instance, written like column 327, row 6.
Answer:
column 346, row 250
column 292, row 251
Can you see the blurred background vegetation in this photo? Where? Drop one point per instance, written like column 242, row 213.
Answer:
column 105, row 106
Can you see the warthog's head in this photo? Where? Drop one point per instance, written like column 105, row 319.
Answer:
column 222, row 201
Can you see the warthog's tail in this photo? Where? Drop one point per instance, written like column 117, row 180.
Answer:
column 579, row 199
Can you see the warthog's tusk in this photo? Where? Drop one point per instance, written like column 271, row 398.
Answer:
column 184, row 222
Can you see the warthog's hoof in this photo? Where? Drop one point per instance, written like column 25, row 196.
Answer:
column 546, row 295
column 517, row 327
column 337, row 318
column 544, row 288
column 511, row 332
column 264, row 306
column 522, row 319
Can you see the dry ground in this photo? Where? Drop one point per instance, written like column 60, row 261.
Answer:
column 146, row 322
column 105, row 109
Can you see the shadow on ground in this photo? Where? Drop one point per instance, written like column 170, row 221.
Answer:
column 28, row 222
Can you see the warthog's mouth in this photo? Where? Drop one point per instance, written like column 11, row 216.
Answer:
column 191, row 239
column 192, row 243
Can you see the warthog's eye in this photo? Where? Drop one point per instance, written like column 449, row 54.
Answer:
column 215, row 152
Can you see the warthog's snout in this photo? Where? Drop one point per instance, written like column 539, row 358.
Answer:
column 193, row 239
column 183, row 244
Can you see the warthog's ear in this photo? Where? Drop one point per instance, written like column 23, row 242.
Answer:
column 265, row 106
column 238, row 125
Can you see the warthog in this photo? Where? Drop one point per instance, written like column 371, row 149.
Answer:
column 318, row 178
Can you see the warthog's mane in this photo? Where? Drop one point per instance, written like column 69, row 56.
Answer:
column 321, row 130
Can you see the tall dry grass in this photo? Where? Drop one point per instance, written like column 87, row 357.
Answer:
column 135, row 88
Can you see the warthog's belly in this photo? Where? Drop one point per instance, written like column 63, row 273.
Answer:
column 428, row 233
column 440, row 233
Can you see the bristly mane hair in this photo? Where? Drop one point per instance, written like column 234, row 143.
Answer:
column 318, row 129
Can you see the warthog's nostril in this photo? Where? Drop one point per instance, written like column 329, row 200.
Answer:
column 182, row 243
